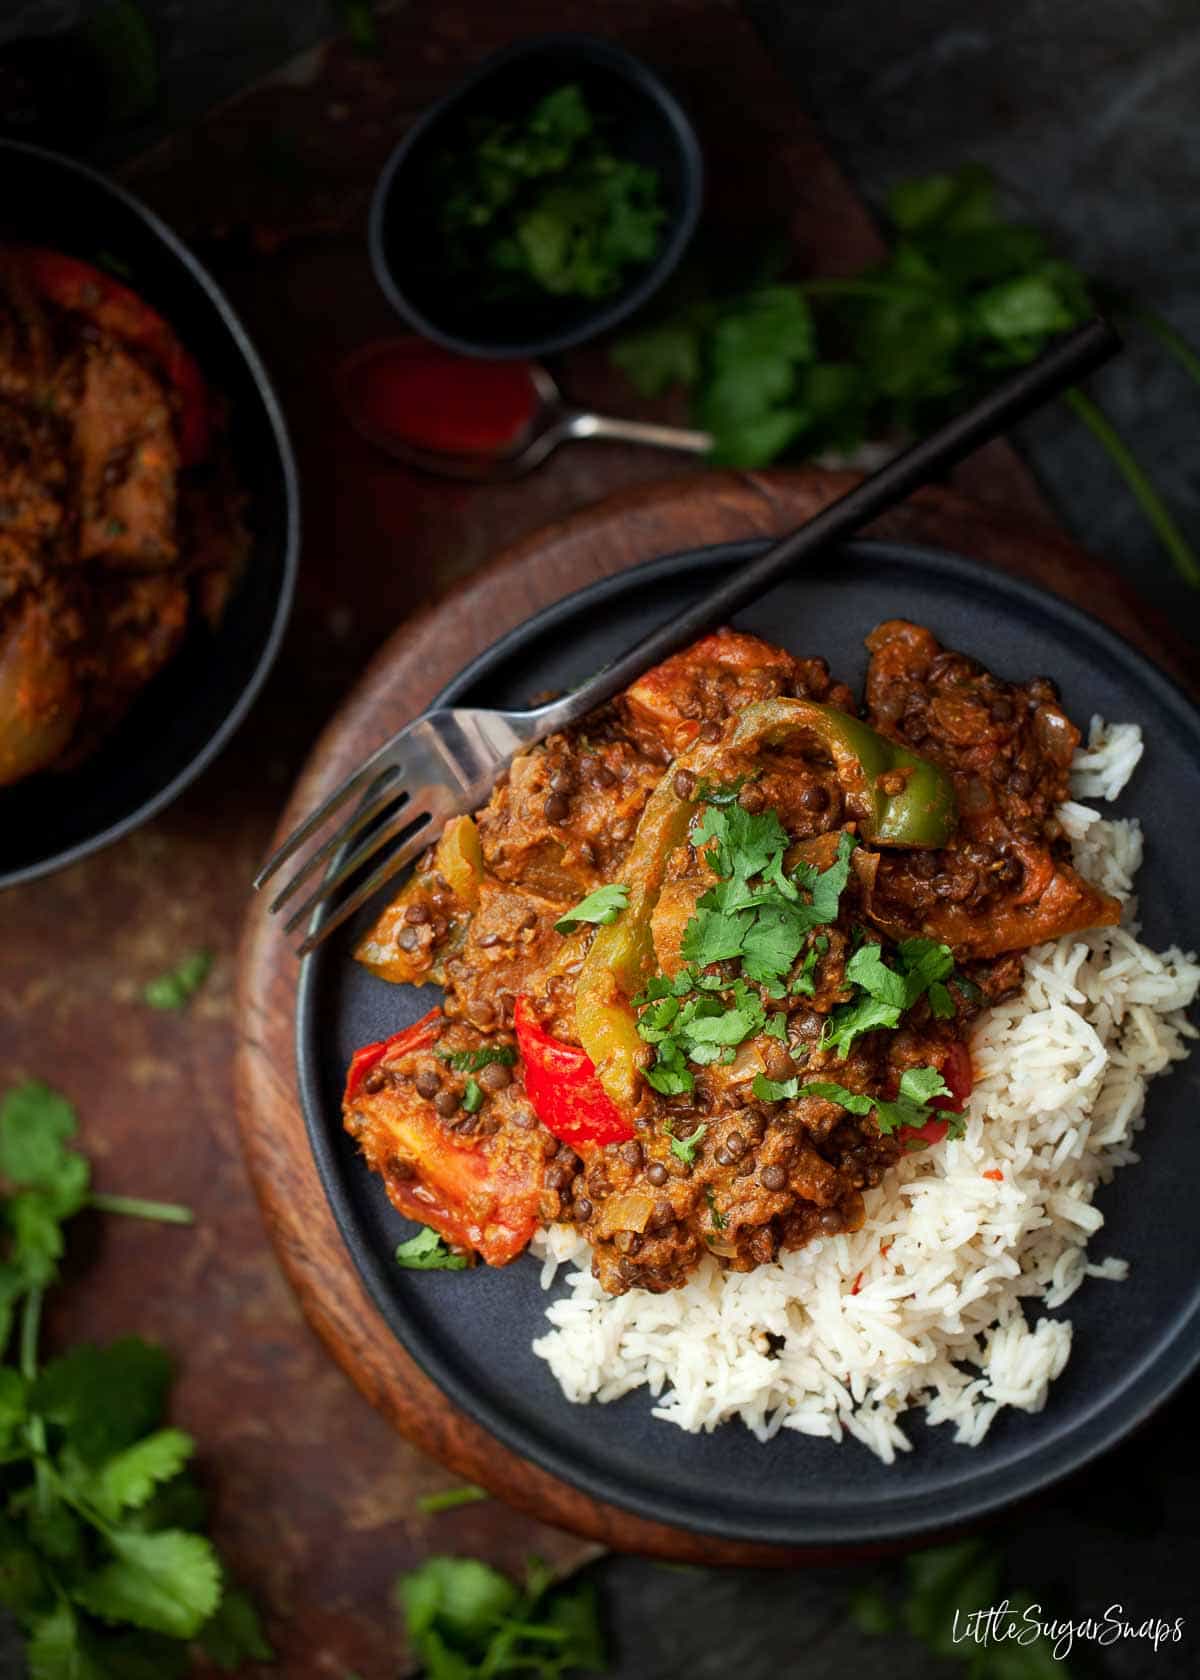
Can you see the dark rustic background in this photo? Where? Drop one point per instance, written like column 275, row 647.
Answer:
column 1088, row 112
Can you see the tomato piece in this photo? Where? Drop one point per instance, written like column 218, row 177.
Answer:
column 416, row 1037
column 957, row 1072
column 480, row 1194
column 561, row 1083
column 115, row 308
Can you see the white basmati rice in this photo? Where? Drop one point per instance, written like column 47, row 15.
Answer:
column 923, row 1306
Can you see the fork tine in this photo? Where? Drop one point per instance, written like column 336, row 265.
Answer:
column 313, row 821
column 412, row 848
column 390, row 829
column 373, row 806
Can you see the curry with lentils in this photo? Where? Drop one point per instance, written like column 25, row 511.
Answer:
column 710, row 960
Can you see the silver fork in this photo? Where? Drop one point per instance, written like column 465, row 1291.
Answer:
column 447, row 762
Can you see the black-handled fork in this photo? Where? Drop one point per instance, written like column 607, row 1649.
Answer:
column 447, row 762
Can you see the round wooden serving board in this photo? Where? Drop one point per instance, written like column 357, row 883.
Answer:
column 416, row 661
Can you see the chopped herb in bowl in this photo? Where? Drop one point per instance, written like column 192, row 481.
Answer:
column 543, row 202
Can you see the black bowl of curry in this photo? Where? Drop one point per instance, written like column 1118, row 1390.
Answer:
column 149, row 529
column 817, row 1006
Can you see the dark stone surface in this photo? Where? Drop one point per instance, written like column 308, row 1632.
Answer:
column 1087, row 113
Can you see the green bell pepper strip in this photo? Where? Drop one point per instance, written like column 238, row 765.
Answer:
column 921, row 812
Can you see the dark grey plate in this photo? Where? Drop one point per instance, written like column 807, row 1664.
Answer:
column 1134, row 1342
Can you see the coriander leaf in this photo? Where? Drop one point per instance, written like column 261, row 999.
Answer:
column 867, row 969
column 685, row 1148
column 829, row 885
column 1023, row 312
column 55, row 1650
column 911, row 1107
column 940, row 1002
column 574, row 1614
column 167, row 1582
column 719, row 793
column 925, row 963
column 713, row 936
column 176, row 988
column 449, row 1499
column 777, row 1027
column 669, row 1075
column 36, row 1237
column 850, row 1020
column 805, row 983
column 749, row 400
column 656, row 1020
column 468, row 1599
column 734, row 1025
column 602, row 906
column 470, row 1061
column 773, row 943
column 426, row 1252
column 742, row 843
column 105, row 1399
column 233, row 1633
column 35, row 1123
column 921, row 1084
column 128, row 1479
column 775, row 1090
column 855, row 1102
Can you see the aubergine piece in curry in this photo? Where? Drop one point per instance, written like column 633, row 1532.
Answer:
column 710, row 959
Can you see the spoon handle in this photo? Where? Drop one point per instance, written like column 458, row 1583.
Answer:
column 1066, row 360
column 581, row 424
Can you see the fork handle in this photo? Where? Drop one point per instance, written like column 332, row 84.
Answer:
column 1066, row 360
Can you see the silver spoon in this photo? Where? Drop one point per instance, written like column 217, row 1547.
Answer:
column 555, row 421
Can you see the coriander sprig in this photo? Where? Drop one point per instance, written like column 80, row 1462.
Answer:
column 101, row 1561
column 827, row 364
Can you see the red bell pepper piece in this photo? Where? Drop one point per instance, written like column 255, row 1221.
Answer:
column 417, row 1037
column 956, row 1071
column 561, row 1083
column 115, row 308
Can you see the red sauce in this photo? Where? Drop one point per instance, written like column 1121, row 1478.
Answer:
column 427, row 397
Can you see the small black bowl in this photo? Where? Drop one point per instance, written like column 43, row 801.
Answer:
column 188, row 713
column 648, row 125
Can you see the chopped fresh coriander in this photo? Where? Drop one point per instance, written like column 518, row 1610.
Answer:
column 538, row 202
column 426, row 1252
column 775, row 1090
column 832, row 362
column 470, row 1061
column 176, row 988
column 602, row 907
column 466, row 1621
column 855, row 1102
column 718, row 1218
column 449, row 1499
column 105, row 1572
column 777, row 1026
column 720, row 793
column 685, row 1148
column 473, row 1096
column 910, row 1108
column 805, row 983
column 669, row 1075
column 940, row 1001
